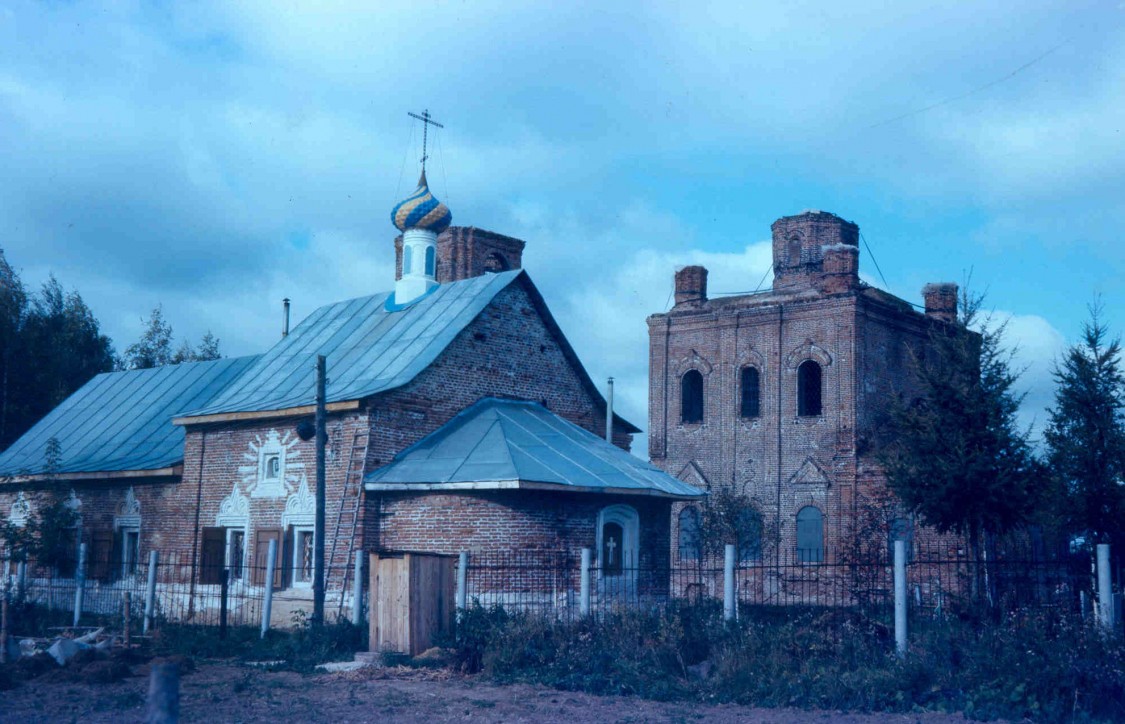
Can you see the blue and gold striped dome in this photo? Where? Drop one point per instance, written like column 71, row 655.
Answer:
column 420, row 210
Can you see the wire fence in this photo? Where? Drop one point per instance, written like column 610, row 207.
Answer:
column 179, row 590
column 549, row 583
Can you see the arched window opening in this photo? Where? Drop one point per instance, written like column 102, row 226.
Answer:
column 407, row 259
column 495, row 262
column 900, row 529
column 808, row 389
column 430, row 263
column 810, row 535
column 751, row 397
column 690, row 548
column 691, row 397
column 618, row 539
column 794, row 251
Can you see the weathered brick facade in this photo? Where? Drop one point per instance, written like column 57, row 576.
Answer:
column 512, row 349
column 860, row 337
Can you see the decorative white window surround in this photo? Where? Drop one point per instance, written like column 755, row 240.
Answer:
column 302, row 556
column 128, row 513
column 272, row 466
column 20, row 512
column 626, row 517
column 300, row 507
column 234, row 515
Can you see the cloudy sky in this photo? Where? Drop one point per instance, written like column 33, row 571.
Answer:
column 215, row 158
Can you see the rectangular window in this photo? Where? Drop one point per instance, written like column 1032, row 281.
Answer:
column 236, row 552
column 130, row 550
column 302, row 556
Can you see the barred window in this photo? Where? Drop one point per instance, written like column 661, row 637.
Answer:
column 810, row 535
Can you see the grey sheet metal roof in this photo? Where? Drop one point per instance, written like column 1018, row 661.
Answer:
column 518, row 444
column 369, row 349
column 122, row 421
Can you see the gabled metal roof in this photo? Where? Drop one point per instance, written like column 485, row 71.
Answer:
column 122, row 421
column 504, row 444
column 369, row 348
column 372, row 347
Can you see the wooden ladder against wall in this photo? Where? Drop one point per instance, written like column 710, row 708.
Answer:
column 347, row 517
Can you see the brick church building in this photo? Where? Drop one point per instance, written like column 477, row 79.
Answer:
column 459, row 418
column 778, row 397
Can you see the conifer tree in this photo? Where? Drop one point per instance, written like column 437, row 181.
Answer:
column 1085, row 435
column 958, row 459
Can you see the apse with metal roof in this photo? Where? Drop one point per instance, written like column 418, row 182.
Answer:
column 420, row 217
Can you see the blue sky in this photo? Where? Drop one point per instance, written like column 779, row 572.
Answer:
column 218, row 157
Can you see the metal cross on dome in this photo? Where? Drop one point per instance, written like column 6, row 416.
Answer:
column 427, row 121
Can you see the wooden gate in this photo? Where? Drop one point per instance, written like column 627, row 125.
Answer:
column 411, row 600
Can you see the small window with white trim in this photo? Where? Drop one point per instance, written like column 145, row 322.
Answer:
column 302, row 556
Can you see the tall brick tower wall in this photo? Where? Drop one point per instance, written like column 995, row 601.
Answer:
column 862, row 339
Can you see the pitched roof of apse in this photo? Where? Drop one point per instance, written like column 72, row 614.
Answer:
column 372, row 349
column 516, row 444
column 121, row 421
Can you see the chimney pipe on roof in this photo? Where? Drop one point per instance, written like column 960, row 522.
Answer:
column 285, row 318
column 609, row 411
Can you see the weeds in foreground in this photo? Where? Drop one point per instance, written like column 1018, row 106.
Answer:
column 1037, row 665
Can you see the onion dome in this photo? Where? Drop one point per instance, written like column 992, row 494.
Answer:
column 420, row 210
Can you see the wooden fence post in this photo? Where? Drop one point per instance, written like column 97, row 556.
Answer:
column 357, row 590
column 150, row 592
column 224, row 591
column 163, row 706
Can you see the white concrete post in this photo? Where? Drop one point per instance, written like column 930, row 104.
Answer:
column 728, row 583
column 584, row 585
column 1105, row 591
column 21, row 580
column 267, row 603
column 79, row 582
column 357, row 590
column 462, row 573
column 150, row 591
column 900, row 597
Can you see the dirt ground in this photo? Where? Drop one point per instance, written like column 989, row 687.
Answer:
column 235, row 693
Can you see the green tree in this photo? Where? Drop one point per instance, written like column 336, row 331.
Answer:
column 13, row 306
column 154, row 348
column 60, row 347
column 957, row 458
column 1085, row 435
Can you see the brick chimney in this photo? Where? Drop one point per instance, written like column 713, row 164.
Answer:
column 691, row 285
column 941, row 301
